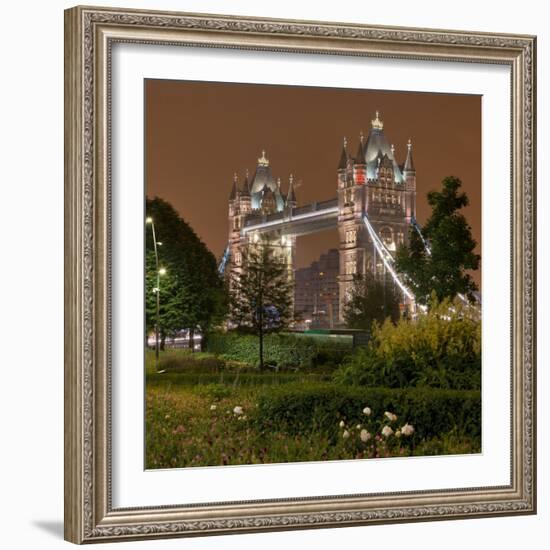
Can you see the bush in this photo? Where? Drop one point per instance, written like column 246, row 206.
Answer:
column 285, row 351
column 441, row 349
column 433, row 412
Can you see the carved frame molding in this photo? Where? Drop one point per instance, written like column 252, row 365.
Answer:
column 89, row 35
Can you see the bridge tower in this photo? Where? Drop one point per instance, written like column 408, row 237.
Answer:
column 239, row 208
column 257, row 200
column 372, row 184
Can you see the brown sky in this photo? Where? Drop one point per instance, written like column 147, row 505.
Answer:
column 199, row 133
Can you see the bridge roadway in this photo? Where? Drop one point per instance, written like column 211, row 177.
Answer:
column 310, row 218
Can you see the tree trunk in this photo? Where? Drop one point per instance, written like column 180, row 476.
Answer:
column 203, row 340
column 192, row 339
column 261, row 334
column 261, row 331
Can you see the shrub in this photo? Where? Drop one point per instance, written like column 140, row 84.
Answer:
column 281, row 350
column 441, row 349
column 433, row 412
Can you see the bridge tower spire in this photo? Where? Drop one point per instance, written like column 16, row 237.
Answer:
column 343, row 164
column 409, row 173
column 291, row 195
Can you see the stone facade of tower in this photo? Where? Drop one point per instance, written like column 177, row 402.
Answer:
column 257, row 199
column 372, row 183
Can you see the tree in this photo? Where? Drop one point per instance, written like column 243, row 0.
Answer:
column 169, row 311
column 261, row 296
column 443, row 269
column 371, row 300
column 192, row 294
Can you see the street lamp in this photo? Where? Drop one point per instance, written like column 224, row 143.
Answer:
column 159, row 271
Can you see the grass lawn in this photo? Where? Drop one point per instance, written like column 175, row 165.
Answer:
column 192, row 420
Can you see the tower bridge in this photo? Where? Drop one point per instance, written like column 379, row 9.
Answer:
column 373, row 211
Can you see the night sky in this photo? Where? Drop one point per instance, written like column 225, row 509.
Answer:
column 199, row 133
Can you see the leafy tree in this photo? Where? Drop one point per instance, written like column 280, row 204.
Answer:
column 166, row 286
column 371, row 300
column 443, row 270
column 192, row 294
column 261, row 296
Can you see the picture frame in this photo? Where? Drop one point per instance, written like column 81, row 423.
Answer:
column 90, row 34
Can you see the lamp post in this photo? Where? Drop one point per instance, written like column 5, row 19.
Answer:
column 159, row 271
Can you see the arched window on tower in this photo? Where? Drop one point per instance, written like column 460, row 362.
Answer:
column 386, row 235
column 351, row 267
column 351, row 236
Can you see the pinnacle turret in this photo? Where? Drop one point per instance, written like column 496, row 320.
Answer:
column 233, row 194
column 360, row 157
column 409, row 164
column 342, row 165
column 245, row 190
column 291, row 195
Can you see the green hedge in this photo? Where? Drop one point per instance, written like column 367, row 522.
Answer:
column 187, row 361
column 280, row 350
column 234, row 378
column 433, row 412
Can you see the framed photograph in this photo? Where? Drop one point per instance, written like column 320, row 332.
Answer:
column 300, row 274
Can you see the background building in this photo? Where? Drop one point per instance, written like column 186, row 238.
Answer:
column 316, row 302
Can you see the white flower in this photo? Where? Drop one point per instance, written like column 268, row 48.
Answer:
column 345, row 435
column 386, row 431
column 342, row 424
column 359, row 426
column 238, row 410
column 364, row 435
column 398, row 433
column 367, row 411
column 213, row 407
column 167, row 416
column 407, row 429
column 390, row 416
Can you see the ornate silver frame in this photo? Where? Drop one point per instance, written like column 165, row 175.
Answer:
column 89, row 35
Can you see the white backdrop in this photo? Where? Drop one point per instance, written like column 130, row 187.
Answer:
column 31, row 123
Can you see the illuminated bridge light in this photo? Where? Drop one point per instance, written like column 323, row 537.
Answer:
column 387, row 258
column 225, row 258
